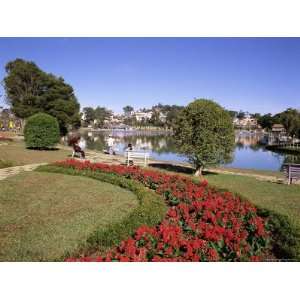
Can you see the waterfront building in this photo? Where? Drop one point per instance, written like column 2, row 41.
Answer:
column 246, row 122
column 143, row 115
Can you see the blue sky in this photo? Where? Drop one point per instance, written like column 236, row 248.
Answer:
column 252, row 74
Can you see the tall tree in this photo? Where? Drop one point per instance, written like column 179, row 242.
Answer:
column 241, row 114
column 155, row 119
column 89, row 115
column 102, row 114
column 233, row 113
column 204, row 132
column 266, row 121
column 30, row 90
column 127, row 110
column 290, row 119
column 172, row 113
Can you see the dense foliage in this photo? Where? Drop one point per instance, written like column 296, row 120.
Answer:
column 162, row 116
column 41, row 131
column 128, row 110
column 204, row 132
column 201, row 223
column 96, row 116
column 290, row 119
column 30, row 90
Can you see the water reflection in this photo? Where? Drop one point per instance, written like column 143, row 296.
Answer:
column 249, row 151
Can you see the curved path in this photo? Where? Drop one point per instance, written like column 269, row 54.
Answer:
column 6, row 172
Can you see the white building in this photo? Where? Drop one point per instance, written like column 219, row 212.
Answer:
column 140, row 116
column 247, row 121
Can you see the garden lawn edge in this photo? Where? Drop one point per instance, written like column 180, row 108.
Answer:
column 150, row 211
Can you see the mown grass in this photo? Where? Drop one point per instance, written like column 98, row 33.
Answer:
column 150, row 211
column 45, row 216
column 277, row 174
column 16, row 153
column 5, row 164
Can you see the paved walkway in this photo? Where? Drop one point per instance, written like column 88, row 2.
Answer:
column 6, row 172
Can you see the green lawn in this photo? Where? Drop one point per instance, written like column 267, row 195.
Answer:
column 281, row 198
column 5, row 164
column 16, row 153
column 43, row 216
column 276, row 174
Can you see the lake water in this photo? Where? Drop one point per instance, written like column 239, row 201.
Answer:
column 248, row 152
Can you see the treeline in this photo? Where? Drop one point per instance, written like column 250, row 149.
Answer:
column 161, row 115
column 290, row 119
column 96, row 116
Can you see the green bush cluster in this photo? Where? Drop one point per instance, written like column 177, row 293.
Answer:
column 150, row 211
column 41, row 131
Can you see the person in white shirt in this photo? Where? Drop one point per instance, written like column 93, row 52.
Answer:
column 110, row 143
column 78, row 145
column 82, row 143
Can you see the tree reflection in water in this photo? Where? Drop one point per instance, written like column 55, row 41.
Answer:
column 249, row 152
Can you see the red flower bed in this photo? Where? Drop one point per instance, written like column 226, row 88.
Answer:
column 202, row 224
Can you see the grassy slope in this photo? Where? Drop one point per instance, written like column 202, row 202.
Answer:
column 44, row 215
column 17, row 154
column 280, row 198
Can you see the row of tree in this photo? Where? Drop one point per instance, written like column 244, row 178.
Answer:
column 96, row 116
column 290, row 119
column 169, row 112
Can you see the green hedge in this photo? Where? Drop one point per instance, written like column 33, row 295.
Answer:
column 150, row 211
column 41, row 131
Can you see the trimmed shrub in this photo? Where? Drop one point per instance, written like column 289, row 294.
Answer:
column 41, row 131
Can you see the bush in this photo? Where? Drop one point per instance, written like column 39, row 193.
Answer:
column 41, row 131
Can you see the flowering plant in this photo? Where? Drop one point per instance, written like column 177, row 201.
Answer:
column 201, row 224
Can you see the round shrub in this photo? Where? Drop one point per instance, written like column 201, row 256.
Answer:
column 41, row 131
